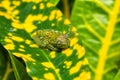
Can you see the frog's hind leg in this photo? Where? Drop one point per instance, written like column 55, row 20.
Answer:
column 51, row 47
column 40, row 41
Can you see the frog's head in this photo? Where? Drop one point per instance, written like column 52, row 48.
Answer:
column 63, row 41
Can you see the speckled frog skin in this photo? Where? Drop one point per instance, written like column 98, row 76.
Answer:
column 52, row 39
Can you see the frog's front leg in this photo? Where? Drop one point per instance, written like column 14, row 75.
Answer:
column 51, row 47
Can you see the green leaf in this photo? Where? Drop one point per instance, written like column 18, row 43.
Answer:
column 15, row 69
column 98, row 23
column 117, row 77
column 19, row 21
column 18, row 67
column 55, row 2
column 6, row 72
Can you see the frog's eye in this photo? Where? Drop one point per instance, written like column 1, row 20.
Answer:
column 63, row 42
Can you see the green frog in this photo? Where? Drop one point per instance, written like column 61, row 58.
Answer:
column 52, row 39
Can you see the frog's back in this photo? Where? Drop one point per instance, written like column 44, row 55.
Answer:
column 48, row 33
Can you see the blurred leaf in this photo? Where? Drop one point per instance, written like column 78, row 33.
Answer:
column 6, row 72
column 18, row 67
column 97, row 22
column 19, row 21
column 17, row 75
column 117, row 77
column 55, row 2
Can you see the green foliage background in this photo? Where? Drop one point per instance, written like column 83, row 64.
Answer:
column 19, row 21
column 98, row 24
column 94, row 25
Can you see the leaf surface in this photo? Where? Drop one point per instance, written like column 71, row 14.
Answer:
column 19, row 21
column 98, row 24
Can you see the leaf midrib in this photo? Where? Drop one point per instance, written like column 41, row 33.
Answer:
column 107, row 41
